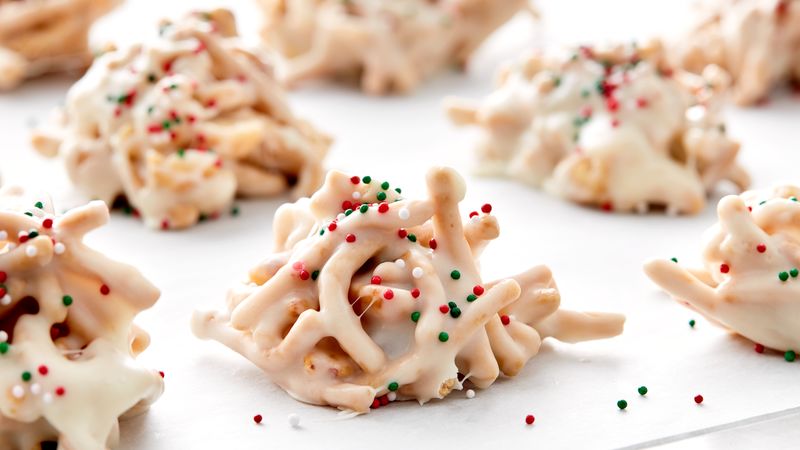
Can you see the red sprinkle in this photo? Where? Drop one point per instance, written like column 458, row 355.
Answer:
column 257, row 418
column 350, row 238
column 23, row 239
column 376, row 404
column 415, row 293
column 355, row 180
column 104, row 290
column 383, row 207
column 641, row 102
column 444, row 309
column 297, row 265
column 376, row 279
column 724, row 268
column 3, row 292
column 529, row 419
column 161, row 373
column 43, row 370
column 47, row 223
column 698, row 399
column 3, row 277
column 432, row 244
column 473, row 214
column 478, row 290
column 384, row 400
column 761, row 248
column 347, row 204
column 402, row 233
column 607, row 206
column 759, row 348
column 612, row 104
column 505, row 319
column 60, row 391
column 165, row 224
column 332, row 226
column 486, row 208
column 388, row 294
column 304, row 275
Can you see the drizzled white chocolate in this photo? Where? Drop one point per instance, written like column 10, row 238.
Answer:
column 41, row 36
column 182, row 124
column 67, row 340
column 756, row 41
column 391, row 45
column 749, row 280
column 608, row 127
column 385, row 300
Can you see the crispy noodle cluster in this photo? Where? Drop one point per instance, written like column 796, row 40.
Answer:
column 749, row 280
column 392, row 45
column 370, row 297
column 67, row 338
column 181, row 125
column 613, row 127
column 756, row 41
column 41, row 36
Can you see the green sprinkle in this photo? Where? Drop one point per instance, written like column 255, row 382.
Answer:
column 585, row 93
column 150, row 110
column 412, row 237
column 28, row 213
column 235, row 210
column 794, row 273
column 322, row 231
column 26, row 376
column 472, row 297
column 315, row 275
column 455, row 312
column 366, row 180
column 385, row 185
column 151, row 78
column 789, row 356
column 452, row 304
column 33, row 234
column 692, row 323
column 202, row 217
column 622, row 404
column 381, row 196
column 393, row 386
column 556, row 81
column 181, row 152
column 165, row 124
column 783, row 276
column 642, row 390
column 348, row 212
column 443, row 337
column 39, row 205
column 4, row 348
column 415, row 316
column 794, row 199
column 455, row 274
column 67, row 300
column 398, row 190
column 364, row 208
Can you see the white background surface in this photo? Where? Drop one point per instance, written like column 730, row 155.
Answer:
column 751, row 400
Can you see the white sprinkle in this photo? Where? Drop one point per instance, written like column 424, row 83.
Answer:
column 36, row 389
column 59, row 248
column 22, row 233
column 392, row 396
column 417, row 272
column 3, row 235
column 474, row 219
column 18, row 391
column 356, row 195
column 470, row 393
column 3, row 336
column 341, row 216
column 400, row 263
column 6, row 300
column 11, row 246
column 31, row 251
column 294, row 420
column 47, row 397
column 404, row 213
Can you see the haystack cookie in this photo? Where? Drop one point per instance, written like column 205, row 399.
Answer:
column 391, row 45
column 748, row 282
column 181, row 125
column 614, row 128
column 67, row 339
column 41, row 36
column 756, row 41
column 370, row 298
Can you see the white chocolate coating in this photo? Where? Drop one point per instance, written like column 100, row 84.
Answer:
column 391, row 45
column 42, row 36
column 607, row 127
column 317, row 321
column 756, row 41
column 182, row 124
column 67, row 338
column 748, row 282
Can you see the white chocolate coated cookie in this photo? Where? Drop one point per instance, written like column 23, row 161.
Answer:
column 182, row 124
column 749, row 280
column 67, row 339
column 391, row 45
column 756, row 41
column 41, row 36
column 611, row 127
column 370, row 297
